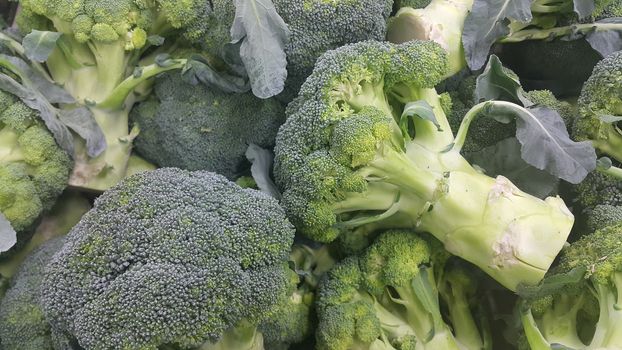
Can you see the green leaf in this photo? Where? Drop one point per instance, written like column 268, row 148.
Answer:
column 499, row 83
column 487, row 22
column 198, row 71
column 545, row 143
column 421, row 109
column 8, row 236
column 583, row 8
column 261, row 160
column 263, row 34
column 504, row 158
column 552, row 284
column 609, row 119
column 38, row 45
column 606, row 36
column 155, row 40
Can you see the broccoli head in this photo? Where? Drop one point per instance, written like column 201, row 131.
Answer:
column 108, row 48
column 316, row 26
column 599, row 100
column 580, row 308
column 599, row 189
column 200, row 128
column 351, row 159
column 34, row 170
column 22, row 323
column 387, row 297
column 602, row 216
column 169, row 257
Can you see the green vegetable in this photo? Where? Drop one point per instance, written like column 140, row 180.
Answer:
column 390, row 297
column 578, row 304
column 170, row 258
column 200, row 128
column 354, row 157
column 33, row 169
column 107, row 49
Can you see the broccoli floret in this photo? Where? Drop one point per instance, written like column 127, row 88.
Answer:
column 388, row 298
column 22, row 323
column 599, row 98
column 33, row 169
column 169, row 257
column 416, row 4
column 200, row 128
column 105, row 52
column 316, row 26
column 580, row 309
column 439, row 20
column 599, row 189
column 604, row 215
column 347, row 160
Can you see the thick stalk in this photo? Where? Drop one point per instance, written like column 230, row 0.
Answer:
column 547, row 34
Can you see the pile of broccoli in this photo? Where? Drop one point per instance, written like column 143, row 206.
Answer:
column 311, row 174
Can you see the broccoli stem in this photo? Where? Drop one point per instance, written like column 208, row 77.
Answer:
column 559, row 324
column 610, row 143
column 608, row 334
column 542, row 34
column 465, row 328
column 244, row 336
column 535, row 339
column 9, row 148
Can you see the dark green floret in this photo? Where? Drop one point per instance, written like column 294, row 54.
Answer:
column 200, row 128
column 350, row 162
column 604, row 215
column 34, row 170
column 388, row 297
column 599, row 99
column 580, row 308
column 170, row 258
column 599, row 189
column 22, row 322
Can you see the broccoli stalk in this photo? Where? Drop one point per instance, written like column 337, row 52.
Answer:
column 99, row 60
column 578, row 304
column 353, row 154
column 441, row 21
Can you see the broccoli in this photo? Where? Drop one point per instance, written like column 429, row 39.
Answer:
column 599, row 99
column 34, row 170
column 416, row 4
column 599, row 189
column 580, row 307
column 604, row 215
column 316, row 26
column 170, row 258
column 107, row 50
column 388, row 298
column 350, row 162
column 441, row 21
column 200, row 128
column 22, row 323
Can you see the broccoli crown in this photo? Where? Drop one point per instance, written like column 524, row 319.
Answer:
column 34, row 170
column 600, row 97
column 545, row 98
column 330, row 130
column 351, row 160
column 604, row 215
column 597, row 189
column 169, row 257
column 584, row 312
column 200, row 128
column 22, row 323
column 388, row 296
column 129, row 21
column 416, row 4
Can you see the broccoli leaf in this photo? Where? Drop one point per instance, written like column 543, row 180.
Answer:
column 487, row 22
column 583, row 8
column 504, row 158
column 261, row 167
column 545, row 142
column 198, row 70
column 552, row 284
column 606, row 36
column 263, row 34
column 38, row 45
column 8, row 236
column 420, row 109
column 499, row 83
